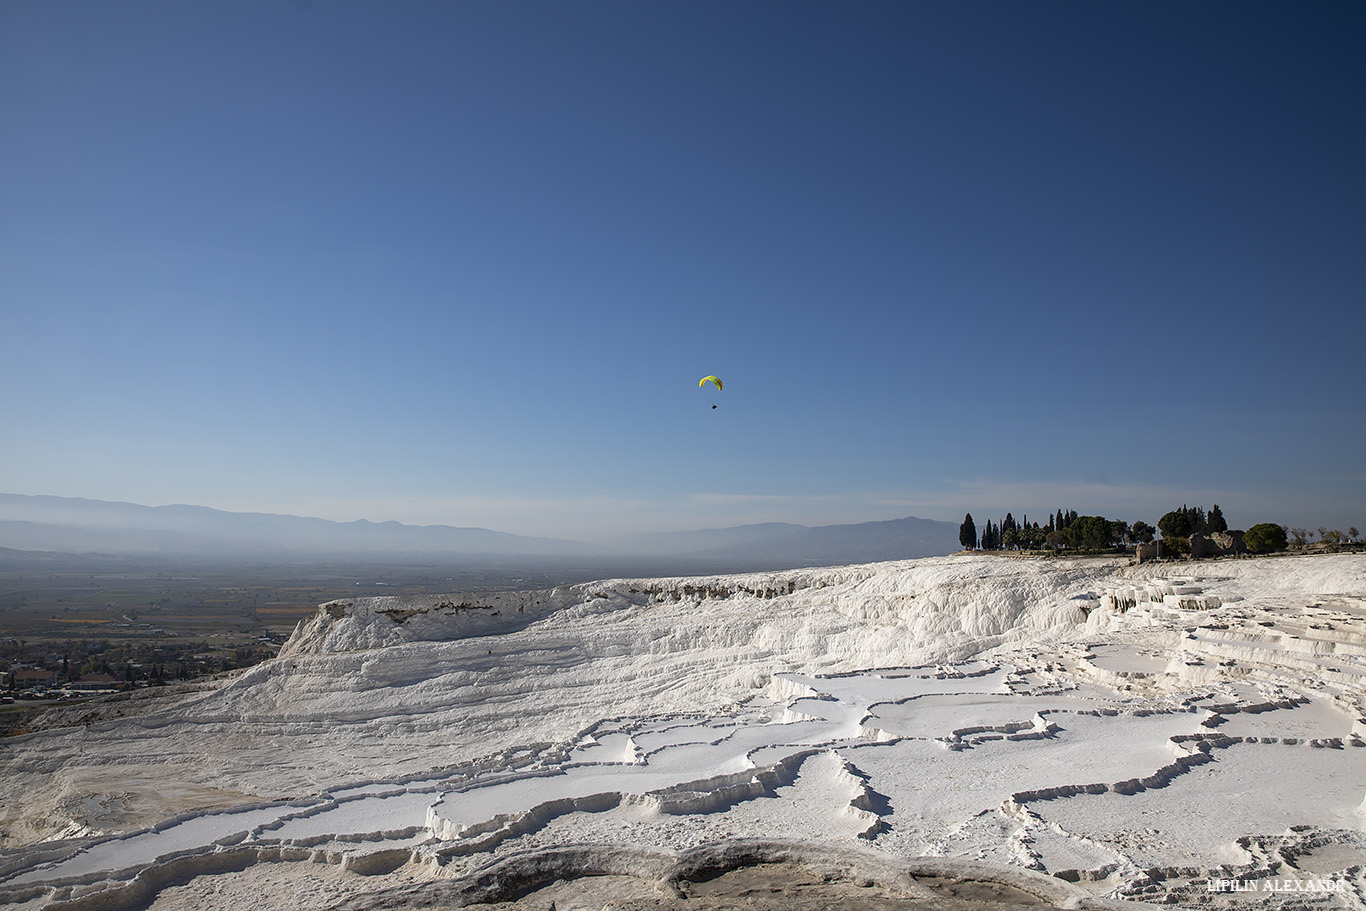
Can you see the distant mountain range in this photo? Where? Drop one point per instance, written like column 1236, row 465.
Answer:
column 78, row 526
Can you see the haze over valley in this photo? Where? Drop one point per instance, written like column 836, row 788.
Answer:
column 76, row 526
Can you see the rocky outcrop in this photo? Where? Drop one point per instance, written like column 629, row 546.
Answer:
column 1218, row 544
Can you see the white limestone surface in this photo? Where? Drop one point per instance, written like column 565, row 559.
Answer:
column 1138, row 730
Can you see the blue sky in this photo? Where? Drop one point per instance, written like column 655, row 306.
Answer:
column 464, row 263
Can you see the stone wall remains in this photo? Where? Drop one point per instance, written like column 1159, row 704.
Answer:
column 1218, row 544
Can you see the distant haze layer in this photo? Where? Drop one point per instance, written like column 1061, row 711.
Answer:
column 69, row 525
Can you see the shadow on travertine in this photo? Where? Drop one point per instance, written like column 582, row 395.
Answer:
column 743, row 875
column 779, row 887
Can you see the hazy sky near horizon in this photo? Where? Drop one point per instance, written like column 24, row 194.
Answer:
column 465, row 263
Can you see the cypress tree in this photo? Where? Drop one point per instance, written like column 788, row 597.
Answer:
column 1216, row 520
column 967, row 533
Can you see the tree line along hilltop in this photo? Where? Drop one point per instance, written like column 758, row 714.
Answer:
column 1097, row 534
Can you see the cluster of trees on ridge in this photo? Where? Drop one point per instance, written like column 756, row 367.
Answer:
column 1097, row 533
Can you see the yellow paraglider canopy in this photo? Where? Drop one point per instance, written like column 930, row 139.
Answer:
column 715, row 379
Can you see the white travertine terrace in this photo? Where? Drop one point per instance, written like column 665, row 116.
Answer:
column 1135, row 731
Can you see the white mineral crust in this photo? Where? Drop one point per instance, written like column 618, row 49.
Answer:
column 1136, row 730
